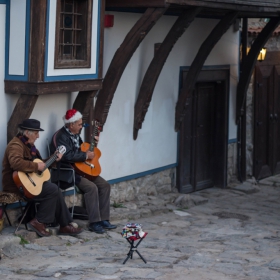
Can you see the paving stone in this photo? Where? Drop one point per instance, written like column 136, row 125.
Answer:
column 7, row 240
column 247, row 188
column 233, row 234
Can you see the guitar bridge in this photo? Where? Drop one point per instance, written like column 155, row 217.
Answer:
column 89, row 164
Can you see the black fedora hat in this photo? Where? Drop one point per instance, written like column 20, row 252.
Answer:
column 30, row 124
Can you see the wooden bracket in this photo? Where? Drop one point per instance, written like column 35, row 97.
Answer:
column 197, row 64
column 22, row 110
column 156, row 65
column 249, row 62
column 121, row 59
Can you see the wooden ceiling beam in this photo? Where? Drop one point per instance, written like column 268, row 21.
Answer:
column 156, row 65
column 237, row 5
column 121, row 59
column 196, row 66
column 136, row 4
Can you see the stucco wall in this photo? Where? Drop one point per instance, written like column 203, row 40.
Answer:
column 156, row 145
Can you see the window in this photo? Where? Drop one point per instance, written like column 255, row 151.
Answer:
column 73, row 34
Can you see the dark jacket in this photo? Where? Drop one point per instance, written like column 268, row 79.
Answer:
column 17, row 157
column 72, row 155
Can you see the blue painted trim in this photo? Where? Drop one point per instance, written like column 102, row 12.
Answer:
column 223, row 66
column 70, row 77
column 134, row 176
column 15, row 205
column 7, row 37
column 3, row 1
column 114, row 181
column 230, row 141
column 141, row 174
column 27, row 36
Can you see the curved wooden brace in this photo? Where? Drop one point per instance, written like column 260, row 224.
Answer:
column 22, row 110
column 156, row 65
column 82, row 101
column 121, row 59
column 197, row 64
column 249, row 64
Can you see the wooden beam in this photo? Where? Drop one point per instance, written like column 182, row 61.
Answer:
column 82, row 103
column 22, row 110
column 38, row 12
column 196, row 66
column 135, row 4
column 37, row 88
column 233, row 5
column 156, row 65
column 121, row 59
column 249, row 64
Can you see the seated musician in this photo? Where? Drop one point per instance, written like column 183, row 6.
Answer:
column 96, row 190
column 19, row 156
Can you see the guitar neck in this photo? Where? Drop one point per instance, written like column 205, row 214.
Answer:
column 95, row 133
column 50, row 161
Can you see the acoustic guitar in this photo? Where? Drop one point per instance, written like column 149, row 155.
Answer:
column 91, row 167
column 31, row 183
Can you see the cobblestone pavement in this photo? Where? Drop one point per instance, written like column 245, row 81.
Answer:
column 231, row 233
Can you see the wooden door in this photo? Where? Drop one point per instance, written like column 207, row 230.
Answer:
column 203, row 137
column 266, row 120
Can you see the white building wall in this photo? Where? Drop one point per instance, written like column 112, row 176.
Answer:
column 17, row 37
column 156, row 145
column 7, row 102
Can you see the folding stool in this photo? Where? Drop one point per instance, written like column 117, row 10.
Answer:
column 132, row 232
column 7, row 198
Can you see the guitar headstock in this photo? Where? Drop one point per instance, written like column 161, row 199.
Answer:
column 61, row 149
column 98, row 126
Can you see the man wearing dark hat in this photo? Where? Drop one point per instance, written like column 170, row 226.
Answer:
column 96, row 190
column 19, row 156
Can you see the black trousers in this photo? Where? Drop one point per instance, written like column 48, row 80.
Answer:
column 52, row 206
column 97, row 198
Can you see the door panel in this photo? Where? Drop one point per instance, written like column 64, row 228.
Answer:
column 262, row 129
column 186, row 143
column 205, row 95
column 276, row 121
column 202, row 158
column 266, row 123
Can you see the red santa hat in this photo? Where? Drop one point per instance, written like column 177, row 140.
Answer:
column 71, row 116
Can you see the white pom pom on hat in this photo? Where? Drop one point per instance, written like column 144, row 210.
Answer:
column 71, row 116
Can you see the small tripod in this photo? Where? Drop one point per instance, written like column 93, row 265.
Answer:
column 132, row 249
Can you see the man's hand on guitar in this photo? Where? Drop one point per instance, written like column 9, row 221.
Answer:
column 89, row 155
column 59, row 156
column 41, row 166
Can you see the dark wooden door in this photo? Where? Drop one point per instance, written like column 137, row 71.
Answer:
column 266, row 121
column 202, row 137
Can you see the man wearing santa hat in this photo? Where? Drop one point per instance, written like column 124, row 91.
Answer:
column 96, row 190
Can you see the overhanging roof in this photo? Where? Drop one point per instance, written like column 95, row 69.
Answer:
column 246, row 8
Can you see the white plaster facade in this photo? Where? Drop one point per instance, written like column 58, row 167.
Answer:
column 156, row 146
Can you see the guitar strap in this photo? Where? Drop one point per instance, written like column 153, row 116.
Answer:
column 54, row 138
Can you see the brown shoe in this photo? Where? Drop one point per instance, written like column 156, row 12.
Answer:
column 69, row 230
column 38, row 227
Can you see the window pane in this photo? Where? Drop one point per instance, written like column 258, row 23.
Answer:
column 68, row 37
column 67, row 50
column 68, row 22
column 68, row 7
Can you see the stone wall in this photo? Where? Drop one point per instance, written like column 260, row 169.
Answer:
column 155, row 184
column 232, row 163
